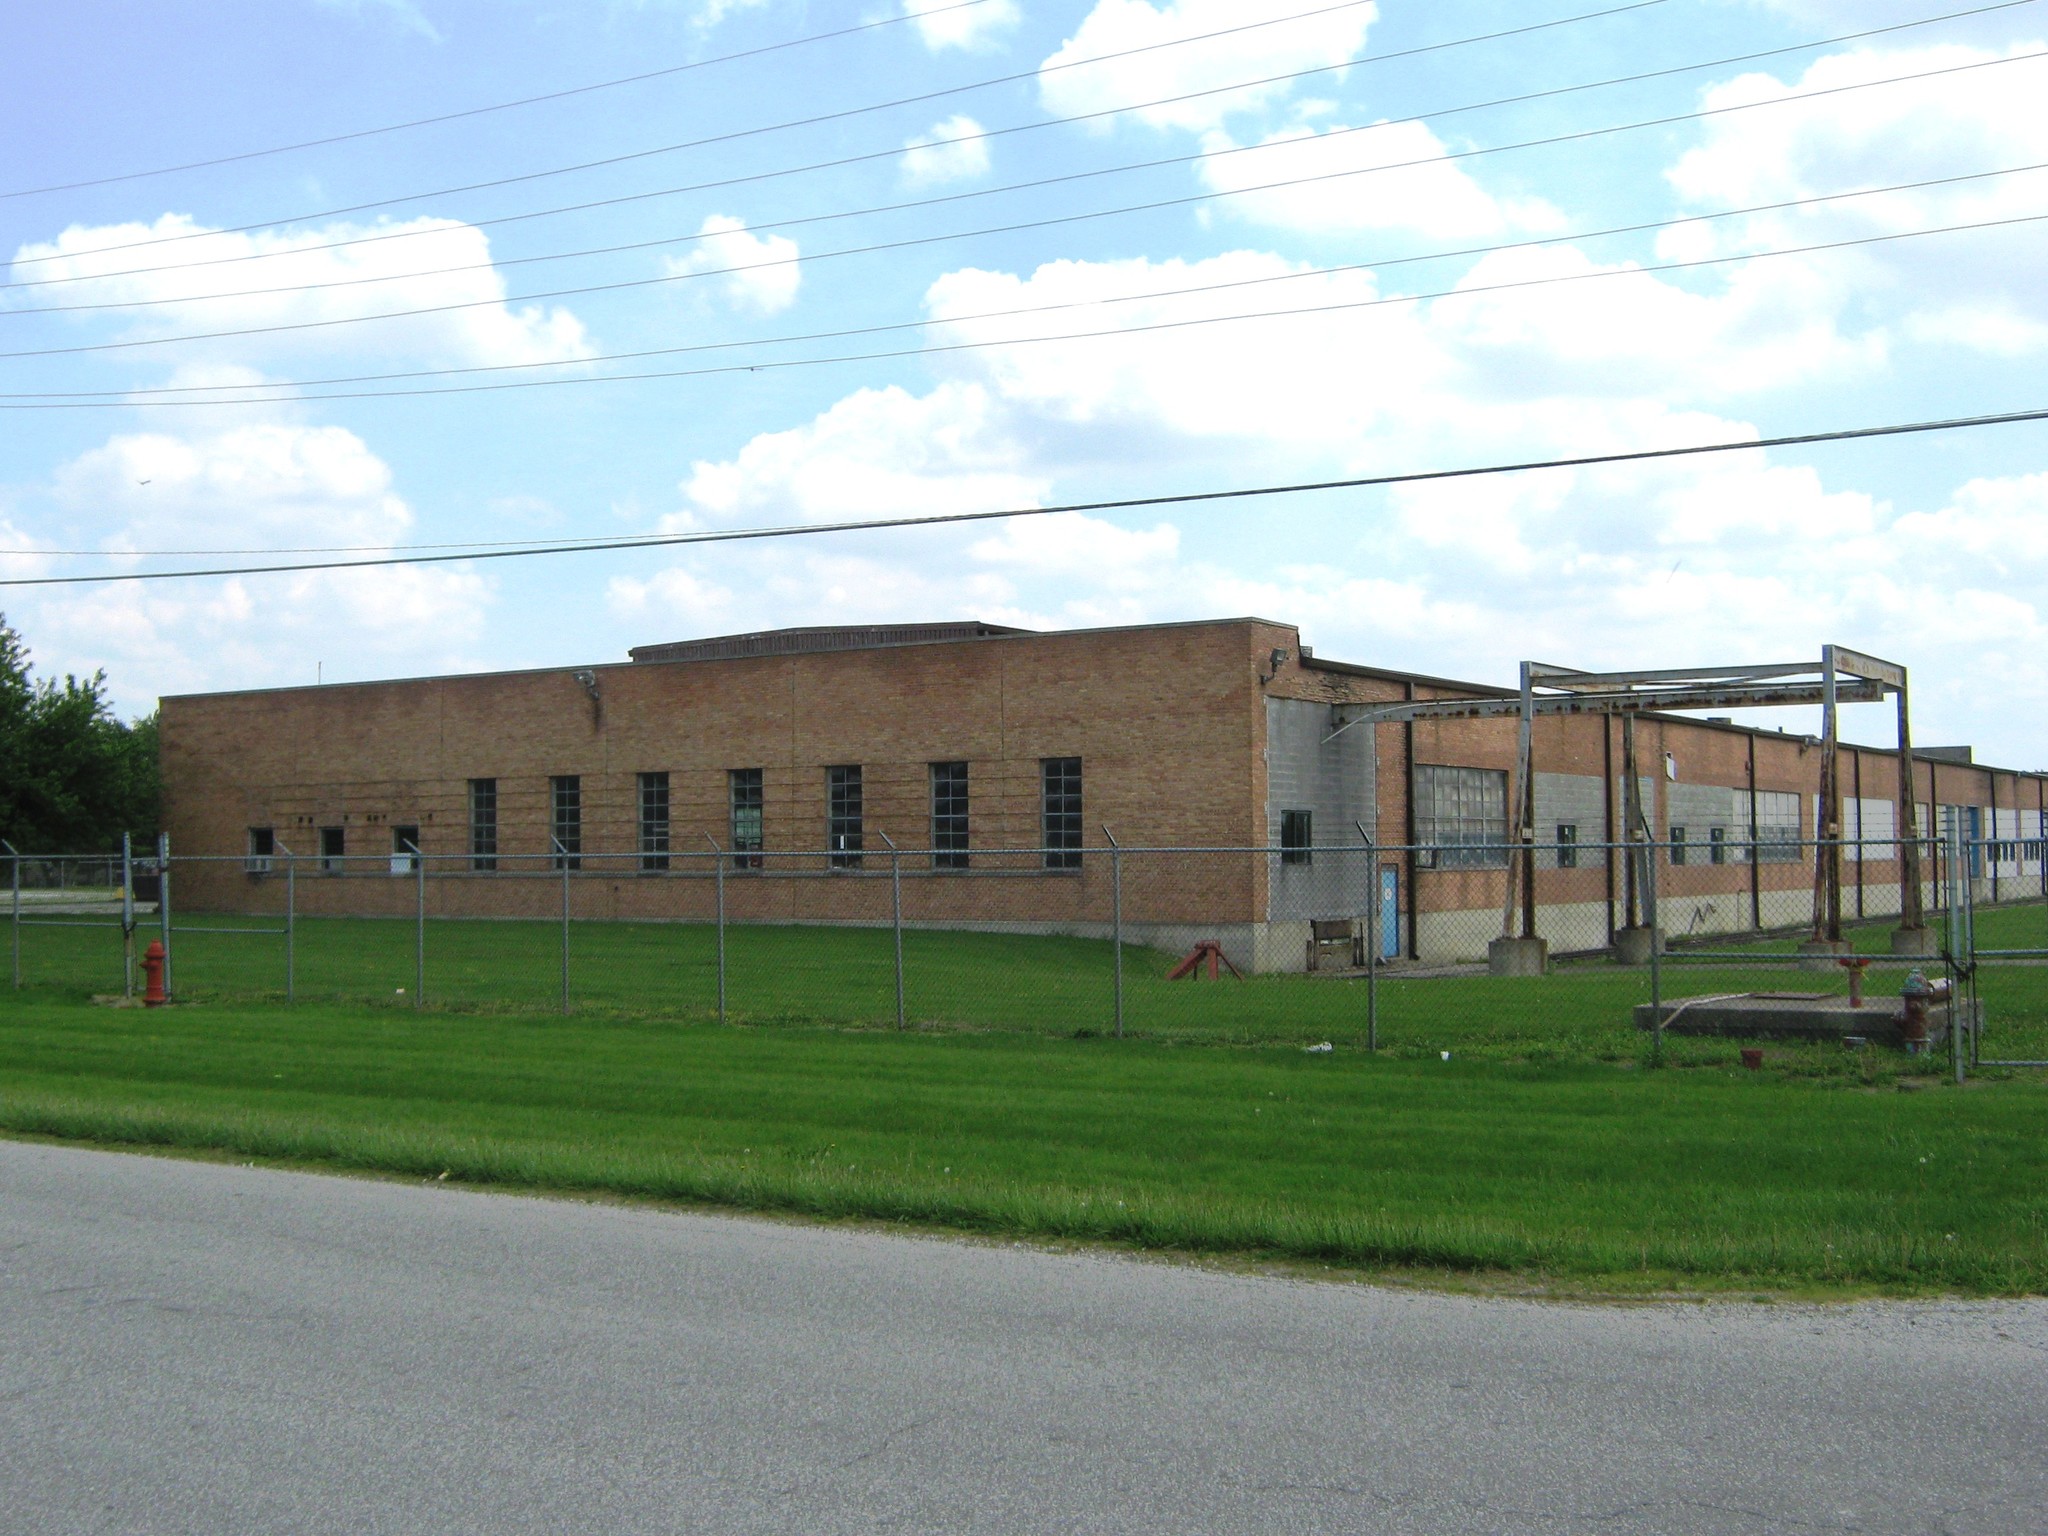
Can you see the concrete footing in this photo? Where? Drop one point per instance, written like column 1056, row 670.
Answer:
column 1915, row 941
column 1517, row 957
column 1821, row 954
column 1632, row 945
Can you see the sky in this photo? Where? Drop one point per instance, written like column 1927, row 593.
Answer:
column 834, row 260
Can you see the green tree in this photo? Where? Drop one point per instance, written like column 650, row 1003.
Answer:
column 73, row 776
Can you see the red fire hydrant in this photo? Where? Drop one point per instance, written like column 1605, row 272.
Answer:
column 153, row 975
column 1855, row 965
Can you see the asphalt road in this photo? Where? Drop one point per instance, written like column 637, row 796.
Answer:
column 193, row 1348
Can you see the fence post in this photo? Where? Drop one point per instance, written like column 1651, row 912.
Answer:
column 562, row 858
column 1656, row 956
column 1116, row 921
column 163, row 904
column 896, row 916
column 14, row 858
column 718, row 877
column 127, row 916
column 419, row 938
column 291, row 914
column 1372, row 939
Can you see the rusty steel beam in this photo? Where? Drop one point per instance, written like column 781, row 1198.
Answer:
column 1732, row 696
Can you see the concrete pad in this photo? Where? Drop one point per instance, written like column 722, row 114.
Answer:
column 1517, row 957
column 1632, row 945
column 1915, row 941
column 1820, row 954
column 1799, row 1016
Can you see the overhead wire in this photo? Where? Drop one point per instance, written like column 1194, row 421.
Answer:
column 1300, row 274
column 1202, row 197
column 1120, row 504
column 502, row 106
column 15, row 403
column 1064, row 178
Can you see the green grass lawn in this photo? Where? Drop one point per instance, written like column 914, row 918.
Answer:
column 988, row 982
column 1584, row 1174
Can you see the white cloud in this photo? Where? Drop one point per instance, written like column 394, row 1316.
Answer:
column 1425, row 191
column 184, row 296
column 954, row 150
column 946, row 24
column 1114, row 26
column 764, row 273
column 249, row 486
column 404, row 14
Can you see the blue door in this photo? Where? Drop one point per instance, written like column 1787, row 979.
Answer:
column 1976, row 841
column 1390, row 913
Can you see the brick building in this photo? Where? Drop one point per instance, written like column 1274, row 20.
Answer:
column 1006, row 759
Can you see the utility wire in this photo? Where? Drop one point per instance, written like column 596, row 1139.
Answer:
column 501, row 106
column 819, row 118
column 1126, row 504
column 1145, row 295
column 13, row 403
column 896, row 150
column 1066, row 178
column 1208, row 196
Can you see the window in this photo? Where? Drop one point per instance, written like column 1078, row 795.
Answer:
column 483, row 824
column 842, row 816
column 332, row 845
column 653, row 821
column 744, row 790
column 1678, row 845
column 1060, row 811
column 262, row 845
column 1462, row 814
column 1777, row 827
column 567, row 826
column 405, row 850
column 1297, row 836
column 949, row 815
column 1717, row 845
column 1567, row 845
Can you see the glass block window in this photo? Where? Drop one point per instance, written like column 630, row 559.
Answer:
column 1060, row 811
column 843, row 816
column 653, row 821
column 1297, row 836
column 483, row 824
column 567, row 826
column 1462, row 814
column 1777, row 827
column 743, row 790
column 949, row 815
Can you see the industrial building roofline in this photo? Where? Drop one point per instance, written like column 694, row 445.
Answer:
column 814, row 639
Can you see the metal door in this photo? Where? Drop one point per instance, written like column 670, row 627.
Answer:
column 1390, row 912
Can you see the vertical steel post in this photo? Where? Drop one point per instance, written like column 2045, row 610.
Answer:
column 291, row 924
column 127, row 916
column 718, row 877
column 419, row 935
column 163, row 903
column 896, row 916
column 1656, row 950
column 562, row 858
column 1912, row 911
column 14, row 859
column 1116, row 923
column 1372, row 939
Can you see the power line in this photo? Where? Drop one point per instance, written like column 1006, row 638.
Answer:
column 1126, row 504
column 1298, row 275
column 1066, row 178
column 806, row 122
column 501, row 106
column 1208, row 196
column 896, row 150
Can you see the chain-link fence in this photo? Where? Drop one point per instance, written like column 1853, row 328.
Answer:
column 1414, row 949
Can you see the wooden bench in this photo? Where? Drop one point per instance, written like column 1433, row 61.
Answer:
column 1343, row 935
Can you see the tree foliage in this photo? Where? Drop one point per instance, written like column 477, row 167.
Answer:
column 73, row 776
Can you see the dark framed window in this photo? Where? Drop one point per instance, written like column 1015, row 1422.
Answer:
column 843, row 816
column 262, row 846
column 1678, row 845
column 743, row 788
column 1567, row 845
column 1060, row 811
column 483, row 824
column 1297, row 836
column 405, row 850
column 333, row 849
column 566, row 827
column 949, row 815
column 653, row 821
column 1461, row 816
column 1717, row 845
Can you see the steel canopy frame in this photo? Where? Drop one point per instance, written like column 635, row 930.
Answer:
column 1842, row 676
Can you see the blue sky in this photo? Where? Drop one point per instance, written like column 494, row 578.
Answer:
column 1514, row 329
